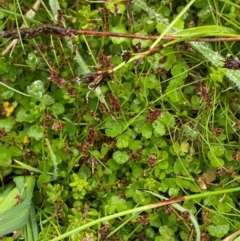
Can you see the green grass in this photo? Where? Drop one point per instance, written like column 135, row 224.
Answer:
column 106, row 148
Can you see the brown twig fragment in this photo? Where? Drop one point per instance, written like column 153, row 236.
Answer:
column 46, row 29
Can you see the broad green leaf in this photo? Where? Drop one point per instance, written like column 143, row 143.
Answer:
column 15, row 218
column 120, row 157
column 214, row 153
column 186, row 184
column 15, row 151
column 173, row 90
column 134, row 145
column 112, row 129
column 166, row 231
column 116, row 204
column 150, row 233
column 167, row 119
column 58, row 108
column 149, row 81
column 4, row 65
column 122, row 141
column 217, row 150
column 219, row 230
column 137, row 171
column 5, row 156
column 216, row 218
column 7, row 94
column 144, row 43
column 158, row 128
column 207, row 30
column 84, row 172
column 36, row 89
column 112, row 179
column 8, row 201
column 176, row 147
column 180, row 71
column 7, row 124
column 184, row 147
column 225, row 206
column 35, row 132
column 70, row 129
column 181, row 166
column 141, row 197
column 215, row 161
column 147, row 131
column 43, row 179
column 47, row 100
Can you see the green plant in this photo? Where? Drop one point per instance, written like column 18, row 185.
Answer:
column 110, row 125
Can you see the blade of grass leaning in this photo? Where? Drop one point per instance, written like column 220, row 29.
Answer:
column 170, row 26
column 6, row 192
column 231, row 3
column 26, row 216
column 27, row 233
column 144, row 208
column 30, row 230
column 123, row 224
column 15, row 218
column 27, row 167
column 107, row 218
column 30, row 20
column 209, row 30
column 25, row 185
column 33, row 223
column 10, row 88
column 9, row 201
column 203, row 31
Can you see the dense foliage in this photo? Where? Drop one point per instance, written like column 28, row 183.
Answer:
column 97, row 131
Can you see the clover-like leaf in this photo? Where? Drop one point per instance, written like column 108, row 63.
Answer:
column 35, row 132
column 218, row 230
column 122, row 141
column 120, row 157
column 173, row 90
column 58, row 108
column 167, row 119
column 5, row 156
column 7, row 124
column 113, row 129
column 36, row 89
column 215, row 161
column 158, row 128
column 147, row 131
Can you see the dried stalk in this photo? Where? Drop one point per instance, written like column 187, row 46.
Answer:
column 46, row 29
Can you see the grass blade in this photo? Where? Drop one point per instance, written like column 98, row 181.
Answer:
column 15, row 218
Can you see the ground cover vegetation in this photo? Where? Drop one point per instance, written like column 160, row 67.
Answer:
column 96, row 130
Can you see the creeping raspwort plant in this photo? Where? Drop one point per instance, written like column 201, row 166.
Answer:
column 119, row 120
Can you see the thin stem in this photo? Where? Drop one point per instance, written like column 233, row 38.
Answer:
column 46, row 29
column 144, row 208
